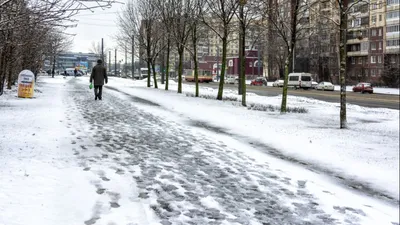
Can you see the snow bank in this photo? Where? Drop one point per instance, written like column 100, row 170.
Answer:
column 377, row 90
column 368, row 151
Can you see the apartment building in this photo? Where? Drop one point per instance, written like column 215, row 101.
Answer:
column 323, row 41
column 392, row 36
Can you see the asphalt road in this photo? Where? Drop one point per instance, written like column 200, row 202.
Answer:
column 367, row 100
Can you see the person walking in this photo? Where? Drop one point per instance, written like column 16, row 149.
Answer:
column 98, row 76
column 75, row 72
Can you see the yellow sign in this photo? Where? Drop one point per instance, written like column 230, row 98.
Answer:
column 26, row 84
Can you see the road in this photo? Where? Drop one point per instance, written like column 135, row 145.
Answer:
column 367, row 100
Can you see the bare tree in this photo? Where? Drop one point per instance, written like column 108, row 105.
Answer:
column 248, row 17
column 142, row 20
column 289, row 30
column 218, row 17
column 26, row 30
column 96, row 48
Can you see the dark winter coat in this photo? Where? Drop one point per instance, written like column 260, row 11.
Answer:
column 99, row 75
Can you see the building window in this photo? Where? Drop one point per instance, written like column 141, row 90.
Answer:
column 392, row 59
column 380, row 17
column 380, row 31
column 251, row 64
column 392, row 15
column 393, row 28
column 373, row 72
column 373, row 59
column 392, row 2
column 360, row 60
column 373, row 32
column 390, row 43
column 379, row 59
column 373, row 19
column 373, row 46
column 380, row 45
column 353, row 60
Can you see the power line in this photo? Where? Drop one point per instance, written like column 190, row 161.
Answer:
column 94, row 14
column 98, row 24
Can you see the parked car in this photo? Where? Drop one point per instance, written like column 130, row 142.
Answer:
column 325, row 86
column 231, row 80
column 363, row 88
column 259, row 81
column 278, row 83
column 314, row 84
column 300, row 80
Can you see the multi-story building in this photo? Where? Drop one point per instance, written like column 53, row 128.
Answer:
column 86, row 61
column 377, row 37
column 323, row 43
column 358, row 34
column 392, row 42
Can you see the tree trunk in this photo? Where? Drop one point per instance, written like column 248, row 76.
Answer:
column 343, row 56
column 222, row 78
column 10, row 67
column 153, row 67
column 167, row 69
column 180, row 69
column 292, row 45
column 285, row 87
column 196, row 69
column 148, row 48
column 148, row 72
column 54, row 66
column 242, row 57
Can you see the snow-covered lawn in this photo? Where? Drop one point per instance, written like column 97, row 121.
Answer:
column 367, row 152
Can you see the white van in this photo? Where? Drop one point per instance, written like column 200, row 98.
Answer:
column 300, row 80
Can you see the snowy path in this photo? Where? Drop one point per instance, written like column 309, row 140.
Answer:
column 144, row 169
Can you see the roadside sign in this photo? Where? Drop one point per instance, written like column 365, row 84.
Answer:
column 26, row 84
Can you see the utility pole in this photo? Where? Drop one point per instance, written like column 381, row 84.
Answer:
column 115, row 63
column 102, row 51
column 133, row 57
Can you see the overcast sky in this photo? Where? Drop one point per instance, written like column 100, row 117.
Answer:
column 93, row 26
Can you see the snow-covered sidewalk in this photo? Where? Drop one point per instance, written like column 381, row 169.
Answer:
column 144, row 157
column 367, row 153
column 42, row 181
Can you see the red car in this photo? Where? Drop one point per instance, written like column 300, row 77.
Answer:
column 363, row 88
column 260, row 81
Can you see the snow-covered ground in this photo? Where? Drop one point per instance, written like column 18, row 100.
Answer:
column 143, row 156
column 368, row 151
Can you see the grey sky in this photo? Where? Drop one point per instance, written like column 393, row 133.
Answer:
column 93, row 26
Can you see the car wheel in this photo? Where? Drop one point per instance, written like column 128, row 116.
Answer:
column 362, row 92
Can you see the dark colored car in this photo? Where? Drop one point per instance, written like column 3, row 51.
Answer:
column 363, row 88
column 260, row 81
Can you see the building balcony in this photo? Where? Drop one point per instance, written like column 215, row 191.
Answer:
column 392, row 35
column 357, row 53
column 393, row 7
column 392, row 21
column 392, row 50
column 356, row 41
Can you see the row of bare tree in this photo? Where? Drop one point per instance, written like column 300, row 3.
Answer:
column 33, row 30
column 161, row 26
